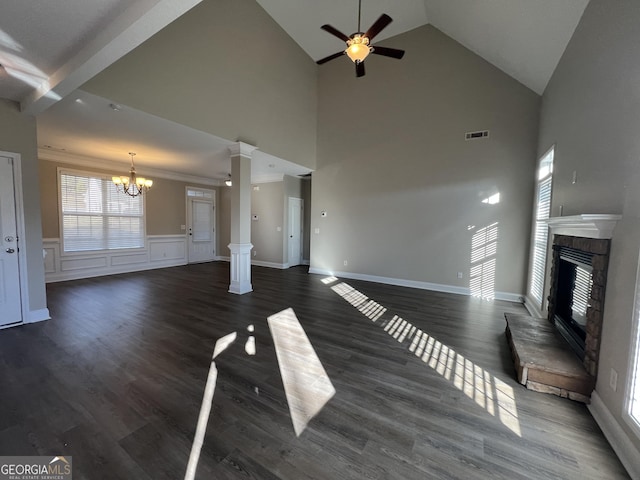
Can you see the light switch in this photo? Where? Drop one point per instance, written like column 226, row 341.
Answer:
column 317, row 230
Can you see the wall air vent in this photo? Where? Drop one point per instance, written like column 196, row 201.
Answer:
column 476, row 135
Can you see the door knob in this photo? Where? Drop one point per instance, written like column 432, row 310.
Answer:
column 10, row 250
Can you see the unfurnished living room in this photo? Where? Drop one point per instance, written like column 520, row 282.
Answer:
column 320, row 240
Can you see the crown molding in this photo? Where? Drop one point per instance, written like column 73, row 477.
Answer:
column 95, row 162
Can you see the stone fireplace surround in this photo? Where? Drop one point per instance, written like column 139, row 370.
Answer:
column 590, row 233
column 599, row 263
column 544, row 360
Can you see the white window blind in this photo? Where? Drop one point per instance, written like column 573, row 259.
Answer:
column 97, row 217
column 632, row 405
column 541, row 229
column 581, row 295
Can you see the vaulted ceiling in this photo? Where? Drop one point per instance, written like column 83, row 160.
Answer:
column 49, row 50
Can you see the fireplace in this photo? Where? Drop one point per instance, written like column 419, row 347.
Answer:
column 578, row 282
column 573, row 288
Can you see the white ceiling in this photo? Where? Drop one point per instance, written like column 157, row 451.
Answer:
column 50, row 49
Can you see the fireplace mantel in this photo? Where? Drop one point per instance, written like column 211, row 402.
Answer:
column 588, row 225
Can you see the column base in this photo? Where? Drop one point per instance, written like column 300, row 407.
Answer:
column 240, row 270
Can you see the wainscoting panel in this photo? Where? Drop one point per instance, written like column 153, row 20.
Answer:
column 128, row 259
column 70, row 264
column 162, row 251
column 51, row 254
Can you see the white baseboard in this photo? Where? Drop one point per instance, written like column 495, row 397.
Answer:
column 38, row 316
column 533, row 309
column 619, row 440
column 306, row 262
column 509, row 297
column 436, row 287
column 395, row 281
column 222, row 258
column 260, row 263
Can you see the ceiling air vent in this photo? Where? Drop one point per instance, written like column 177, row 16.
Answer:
column 476, row 135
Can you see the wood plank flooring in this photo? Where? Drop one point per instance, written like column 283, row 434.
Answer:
column 424, row 384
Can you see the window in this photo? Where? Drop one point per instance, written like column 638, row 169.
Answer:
column 191, row 192
column 94, row 216
column 632, row 404
column 541, row 229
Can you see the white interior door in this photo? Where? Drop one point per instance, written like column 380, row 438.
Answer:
column 201, row 214
column 10, row 302
column 295, row 231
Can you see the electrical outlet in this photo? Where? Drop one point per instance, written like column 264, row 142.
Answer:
column 317, row 231
column 613, row 380
column 255, row 252
column 345, row 263
column 459, row 274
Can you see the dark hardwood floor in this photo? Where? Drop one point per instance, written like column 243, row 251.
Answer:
column 407, row 384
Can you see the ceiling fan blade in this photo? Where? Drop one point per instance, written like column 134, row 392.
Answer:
column 378, row 26
column 334, row 31
column 330, row 57
column 359, row 69
column 388, row 52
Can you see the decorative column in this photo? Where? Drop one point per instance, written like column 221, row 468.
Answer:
column 240, row 245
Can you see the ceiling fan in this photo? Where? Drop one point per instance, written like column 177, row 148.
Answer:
column 359, row 43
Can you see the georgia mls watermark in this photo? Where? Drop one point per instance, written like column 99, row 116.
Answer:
column 36, row 468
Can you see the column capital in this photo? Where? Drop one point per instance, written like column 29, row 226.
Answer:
column 241, row 148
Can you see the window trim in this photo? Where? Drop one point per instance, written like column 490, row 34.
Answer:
column 81, row 253
column 540, row 304
column 633, row 370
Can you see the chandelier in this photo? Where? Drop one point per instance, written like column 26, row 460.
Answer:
column 132, row 185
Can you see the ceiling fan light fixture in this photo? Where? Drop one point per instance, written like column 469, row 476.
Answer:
column 358, row 48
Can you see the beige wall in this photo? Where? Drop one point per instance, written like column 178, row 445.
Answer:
column 306, row 196
column 18, row 135
column 225, row 68
column 297, row 188
column 224, row 221
column 402, row 188
column 270, row 202
column 266, row 202
column 591, row 112
column 165, row 208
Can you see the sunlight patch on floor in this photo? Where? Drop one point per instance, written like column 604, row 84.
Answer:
column 486, row 390
column 306, row 383
column 205, row 408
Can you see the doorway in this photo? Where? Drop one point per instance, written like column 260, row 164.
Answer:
column 295, row 216
column 10, row 278
column 201, row 225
